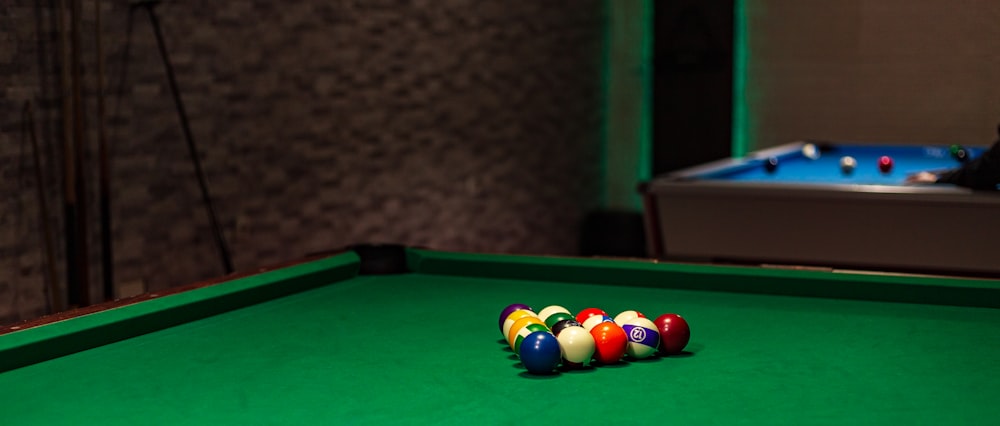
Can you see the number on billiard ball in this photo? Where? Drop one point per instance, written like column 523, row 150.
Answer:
column 643, row 337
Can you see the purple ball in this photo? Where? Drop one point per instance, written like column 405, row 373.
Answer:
column 511, row 308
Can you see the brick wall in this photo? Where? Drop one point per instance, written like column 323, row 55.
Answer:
column 455, row 124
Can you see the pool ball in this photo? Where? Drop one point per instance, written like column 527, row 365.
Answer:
column 564, row 324
column 848, row 164
column 961, row 155
column 514, row 316
column 540, row 352
column 549, row 310
column 577, row 346
column 582, row 316
column 885, row 164
column 555, row 318
column 810, row 151
column 609, row 342
column 592, row 322
column 771, row 164
column 625, row 316
column 954, row 149
column 674, row 333
column 511, row 308
column 524, row 332
column 518, row 325
column 643, row 337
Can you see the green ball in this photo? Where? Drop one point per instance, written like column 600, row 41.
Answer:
column 556, row 317
column 527, row 330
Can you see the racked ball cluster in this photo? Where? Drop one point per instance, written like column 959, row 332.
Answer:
column 552, row 337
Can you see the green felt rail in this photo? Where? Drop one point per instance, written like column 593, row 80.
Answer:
column 792, row 282
column 50, row 341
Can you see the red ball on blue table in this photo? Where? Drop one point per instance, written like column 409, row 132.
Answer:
column 885, row 164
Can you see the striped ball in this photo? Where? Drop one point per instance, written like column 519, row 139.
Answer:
column 558, row 316
column 549, row 310
column 513, row 317
column 524, row 332
column 643, row 337
column 518, row 325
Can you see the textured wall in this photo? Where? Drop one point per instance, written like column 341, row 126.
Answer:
column 874, row 70
column 455, row 124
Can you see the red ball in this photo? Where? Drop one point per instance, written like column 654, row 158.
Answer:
column 610, row 341
column 587, row 313
column 674, row 333
column 885, row 164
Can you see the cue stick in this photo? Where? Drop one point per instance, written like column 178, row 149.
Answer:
column 104, row 179
column 69, row 172
column 80, row 135
column 220, row 240
column 54, row 294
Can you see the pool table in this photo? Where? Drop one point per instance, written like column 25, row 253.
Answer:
column 396, row 335
column 807, row 212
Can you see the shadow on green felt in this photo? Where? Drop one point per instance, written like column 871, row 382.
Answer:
column 524, row 373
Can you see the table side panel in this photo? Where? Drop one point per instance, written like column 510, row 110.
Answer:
column 809, row 283
column 57, row 339
column 895, row 231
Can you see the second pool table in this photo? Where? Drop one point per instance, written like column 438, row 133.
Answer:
column 808, row 212
column 340, row 340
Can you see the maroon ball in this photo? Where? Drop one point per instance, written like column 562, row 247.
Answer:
column 674, row 333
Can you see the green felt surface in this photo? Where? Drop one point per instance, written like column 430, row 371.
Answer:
column 424, row 349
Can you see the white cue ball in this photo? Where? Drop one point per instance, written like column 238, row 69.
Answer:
column 577, row 346
column 810, row 151
column 848, row 164
column 547, row 311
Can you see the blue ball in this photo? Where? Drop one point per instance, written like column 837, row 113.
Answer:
column 540, row 352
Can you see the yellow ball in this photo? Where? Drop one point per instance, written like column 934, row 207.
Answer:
column 514, row 316
column 518, row 325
